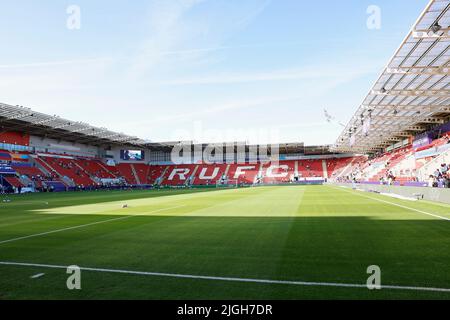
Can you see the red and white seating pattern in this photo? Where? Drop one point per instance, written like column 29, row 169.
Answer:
column 310, row 168
column 13, row 181
column 401, row 163
column 243, row 173
column 124, row 170
column 67, row 168
column 283, row 172
column 142, row 171
column 179, row 174
column 95, row 168
column 248, row 173
column 85, row 171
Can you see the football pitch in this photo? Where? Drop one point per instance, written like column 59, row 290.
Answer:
column 284, row 242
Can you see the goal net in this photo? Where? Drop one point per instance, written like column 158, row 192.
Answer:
column 227, row 183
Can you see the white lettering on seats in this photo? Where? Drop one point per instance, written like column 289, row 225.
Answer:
column 271, row 174
column 180, row 172
column 203, row 175
column 240, row 171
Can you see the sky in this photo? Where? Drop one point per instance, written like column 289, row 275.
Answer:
column 261, row 71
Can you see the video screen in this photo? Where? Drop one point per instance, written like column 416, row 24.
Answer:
column 132, row 155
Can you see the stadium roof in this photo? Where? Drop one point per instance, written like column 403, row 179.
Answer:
column 18, row 118
column 413, row 90
column 284, row 148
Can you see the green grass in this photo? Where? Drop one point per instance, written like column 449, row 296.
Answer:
column 314, row 233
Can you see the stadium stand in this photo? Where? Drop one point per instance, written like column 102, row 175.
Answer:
column 28, row 170
column 15, row 137
column 94, row 168
column 68, row 168
column 142, row 171
column 403, row 166
column 310, row 168
column 281, row 172
column 125, row 170
column 406, row 165
column 209, row 174
column 5, row 155
column 179, row 175
column 337, row 165
column 243, row 173
column 13, row 181
column 155, row 173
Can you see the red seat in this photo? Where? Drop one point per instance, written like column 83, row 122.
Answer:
column 177, row 175
column 243, row 173
column 310, row 168
column 68, row 168
column 13, row 181
column 28, row 171
column 209, row 174
column 281, row 172
column 124, row 170
column 142, row 171
column 95, row 168
column 154, row 173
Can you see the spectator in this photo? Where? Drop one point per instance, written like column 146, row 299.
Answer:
column 431, row 181
column 444, row 168
column 437, row 173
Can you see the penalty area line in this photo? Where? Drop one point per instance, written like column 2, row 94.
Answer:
column 85, row 225
column 229, row 279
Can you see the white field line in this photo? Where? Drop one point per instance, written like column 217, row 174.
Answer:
column 12, row 203
column 85, row 225
column 229, row 279
column 399, row 205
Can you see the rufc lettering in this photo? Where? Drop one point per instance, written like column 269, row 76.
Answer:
column 275, row 171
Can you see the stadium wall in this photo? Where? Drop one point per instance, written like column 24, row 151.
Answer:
column 430, row 194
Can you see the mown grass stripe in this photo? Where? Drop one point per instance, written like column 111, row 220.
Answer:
column 229, row 279
column 83, row 225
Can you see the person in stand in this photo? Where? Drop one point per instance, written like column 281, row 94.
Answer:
column 444, row 168
column 354, row 182
column 446, row 180
column 437, row 173
column 431, row 179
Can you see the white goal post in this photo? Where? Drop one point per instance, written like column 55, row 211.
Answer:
column 228, row 183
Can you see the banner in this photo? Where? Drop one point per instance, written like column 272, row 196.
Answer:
column 366, row 126
column 6, row 169
column 422, row 140
column 432, row 152
column 19, row 157
column 5, row 156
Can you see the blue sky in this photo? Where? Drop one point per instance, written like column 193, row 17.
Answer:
column 204, row 70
